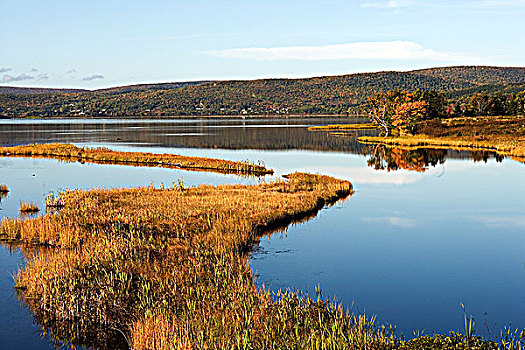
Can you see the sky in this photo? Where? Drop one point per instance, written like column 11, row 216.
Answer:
column 94, row 44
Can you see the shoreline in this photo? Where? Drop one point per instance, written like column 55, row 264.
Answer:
column 176, row 117
column 504, row 135
column 143, row 246
column 459, row 144
column 73, row 153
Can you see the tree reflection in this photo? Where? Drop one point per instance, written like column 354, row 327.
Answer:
column 2, row 196
column 391, row 159
column 484, row 156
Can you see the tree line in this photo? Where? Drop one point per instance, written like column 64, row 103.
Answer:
column 333, row 95
column 398, row 112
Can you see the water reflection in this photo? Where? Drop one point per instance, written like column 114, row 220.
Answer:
column 382, row 157
column 263, row 134
column 48, row 332
column 282, row 134
column 412, row 244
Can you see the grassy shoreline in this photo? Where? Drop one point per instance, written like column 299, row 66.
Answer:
column 165, row 266
column 106, row 156
column 336, row 127
column 424, row 141
column 503, row 135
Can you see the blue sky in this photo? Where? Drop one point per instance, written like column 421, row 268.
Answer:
column 92, row 44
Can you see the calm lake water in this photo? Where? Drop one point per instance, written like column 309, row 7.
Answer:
column 424, row 232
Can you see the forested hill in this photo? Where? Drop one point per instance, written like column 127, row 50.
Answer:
column 476, row 75
column 11, row 90
column 152, row 87
column 321, row 95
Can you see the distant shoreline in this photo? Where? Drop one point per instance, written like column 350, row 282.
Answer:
column 498, row 134
column 233, row 116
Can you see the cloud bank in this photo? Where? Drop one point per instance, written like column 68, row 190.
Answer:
column 7, row 78
column 474, row 4
column 3, row 70
column 393, row 4
column 387, row 50
column 93, row 77
column 497, row 3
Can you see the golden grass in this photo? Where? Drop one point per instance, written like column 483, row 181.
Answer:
column 28, row 207
column 515, row 149
column 335, row 127
column 503, row 135
column 107, row 156
column 167, row 267
column 3, row 189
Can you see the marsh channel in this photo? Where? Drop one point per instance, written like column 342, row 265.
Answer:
column 425, row 231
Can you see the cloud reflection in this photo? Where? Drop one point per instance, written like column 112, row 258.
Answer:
column 396, row 221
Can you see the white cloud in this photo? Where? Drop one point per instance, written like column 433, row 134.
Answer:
column 42, row 76
column 386, row 50
column 495, row 3
column 393, row 4
column 7, row 78
column 93, row 77
column 397, row 5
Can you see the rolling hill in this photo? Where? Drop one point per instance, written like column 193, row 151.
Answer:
column 321, row 95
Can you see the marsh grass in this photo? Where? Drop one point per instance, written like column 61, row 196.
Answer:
column 71, row 152
column 28, row 207
column 54, row 202
column 3, row 189
column 159, row 269
column 504, row 135
column 168, row 268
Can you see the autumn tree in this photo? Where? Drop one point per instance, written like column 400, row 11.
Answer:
column 407, row 115
column 378, row 111
column 398, row 112
column 519, row 103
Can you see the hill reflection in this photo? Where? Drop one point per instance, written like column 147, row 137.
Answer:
column 233, row 134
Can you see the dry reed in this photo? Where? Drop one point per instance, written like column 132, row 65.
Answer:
column 28, row 207
column 106, row 156
column 167, row 267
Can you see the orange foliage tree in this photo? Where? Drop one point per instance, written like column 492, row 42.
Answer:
column 407, row 115
column 398, row 112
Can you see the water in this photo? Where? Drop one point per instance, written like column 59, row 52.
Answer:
column 411, row 249
column 429, row 231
